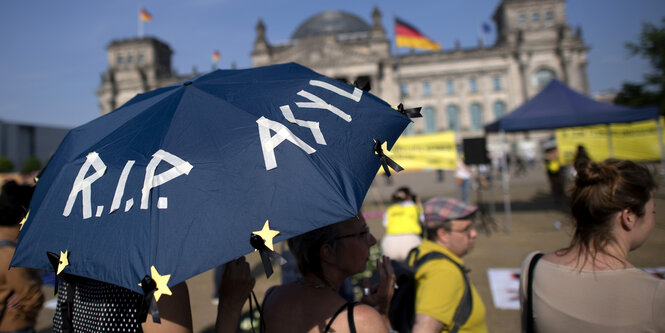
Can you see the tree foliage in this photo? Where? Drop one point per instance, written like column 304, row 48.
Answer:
column 650, row 46
column 6, row 164
column 31, row 164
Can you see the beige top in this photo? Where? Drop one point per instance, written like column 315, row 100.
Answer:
column 568, row 300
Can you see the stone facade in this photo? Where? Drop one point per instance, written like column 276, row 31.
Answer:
column 460, row 89
column 136, row 65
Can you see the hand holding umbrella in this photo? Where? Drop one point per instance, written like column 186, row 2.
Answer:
column 237, row 284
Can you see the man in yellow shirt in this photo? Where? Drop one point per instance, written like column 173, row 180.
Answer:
column 440, row 283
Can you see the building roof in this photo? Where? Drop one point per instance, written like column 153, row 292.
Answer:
column 138, row 41
column 330, row 23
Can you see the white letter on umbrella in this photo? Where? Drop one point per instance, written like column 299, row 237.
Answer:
column 357, row 93
column 180, row 167
column 120, row 188
column 268, row 143
column 82, row 184
column 312, row 125
column 318, row 103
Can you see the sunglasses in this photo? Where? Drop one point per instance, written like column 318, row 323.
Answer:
column 363, row 234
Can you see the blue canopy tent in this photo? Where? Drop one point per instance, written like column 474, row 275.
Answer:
column 559, row 106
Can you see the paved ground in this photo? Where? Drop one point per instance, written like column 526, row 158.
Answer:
column 532, row 227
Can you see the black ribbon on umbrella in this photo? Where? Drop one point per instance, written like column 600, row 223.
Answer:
column 362, row 84
column 149, row 304
column 267, row 255
column 385, row 160
column 54, row 260
column 411, row 113
column 67, row 308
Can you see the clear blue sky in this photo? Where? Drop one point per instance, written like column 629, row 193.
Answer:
column 52, row 53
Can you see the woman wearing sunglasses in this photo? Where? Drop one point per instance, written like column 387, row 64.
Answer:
column 326, row 257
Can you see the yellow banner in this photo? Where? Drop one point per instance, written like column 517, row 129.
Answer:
column 429, row 151
column 633, row 141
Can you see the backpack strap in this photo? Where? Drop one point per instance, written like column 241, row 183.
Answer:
column 463, row 311
column 528, row 311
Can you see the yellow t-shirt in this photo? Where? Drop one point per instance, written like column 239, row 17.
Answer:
column 439, row 290
column 403, row 219
column 553, row 166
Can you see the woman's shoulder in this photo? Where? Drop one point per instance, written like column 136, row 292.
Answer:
column 292, row 298
column 277, row 294
column 368, row 319
column 565, row 259
column 527, row 260
column 361, row 310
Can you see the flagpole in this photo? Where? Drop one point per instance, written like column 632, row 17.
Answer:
column 484, row 35
column 482, row 32
column 140, row 26
column 399, row 68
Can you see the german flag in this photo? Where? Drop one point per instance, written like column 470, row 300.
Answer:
column 145, row 16
column 408, row 36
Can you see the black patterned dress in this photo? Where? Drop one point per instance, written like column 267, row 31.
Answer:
column 86, row 305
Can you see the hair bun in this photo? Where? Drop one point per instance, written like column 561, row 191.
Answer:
column 401, row 194
column 594, row 173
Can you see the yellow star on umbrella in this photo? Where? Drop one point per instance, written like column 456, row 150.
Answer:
column 160, row 281
column 64, row 262
column 23, row 221
column 267, row 234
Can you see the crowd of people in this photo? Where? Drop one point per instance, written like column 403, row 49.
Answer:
column 589, row 285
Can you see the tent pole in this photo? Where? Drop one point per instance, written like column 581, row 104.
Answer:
column 609, row 140
column 662, row 146
column 504, row 180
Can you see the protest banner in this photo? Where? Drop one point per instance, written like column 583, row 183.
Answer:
column 636, row 141
column 427, row 151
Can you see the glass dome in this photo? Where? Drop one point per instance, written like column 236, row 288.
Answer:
column 330, row 23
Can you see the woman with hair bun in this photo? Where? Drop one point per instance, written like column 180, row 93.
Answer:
column 590, row 286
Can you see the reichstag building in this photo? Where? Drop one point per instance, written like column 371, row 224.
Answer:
column 460, row 89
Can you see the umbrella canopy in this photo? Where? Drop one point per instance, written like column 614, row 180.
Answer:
column 558, row 106
column 175, row 181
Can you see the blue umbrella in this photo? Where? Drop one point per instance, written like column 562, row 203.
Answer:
column 175, row 181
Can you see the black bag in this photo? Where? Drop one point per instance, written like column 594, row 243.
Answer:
column 528, row 324
column 402, row 306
